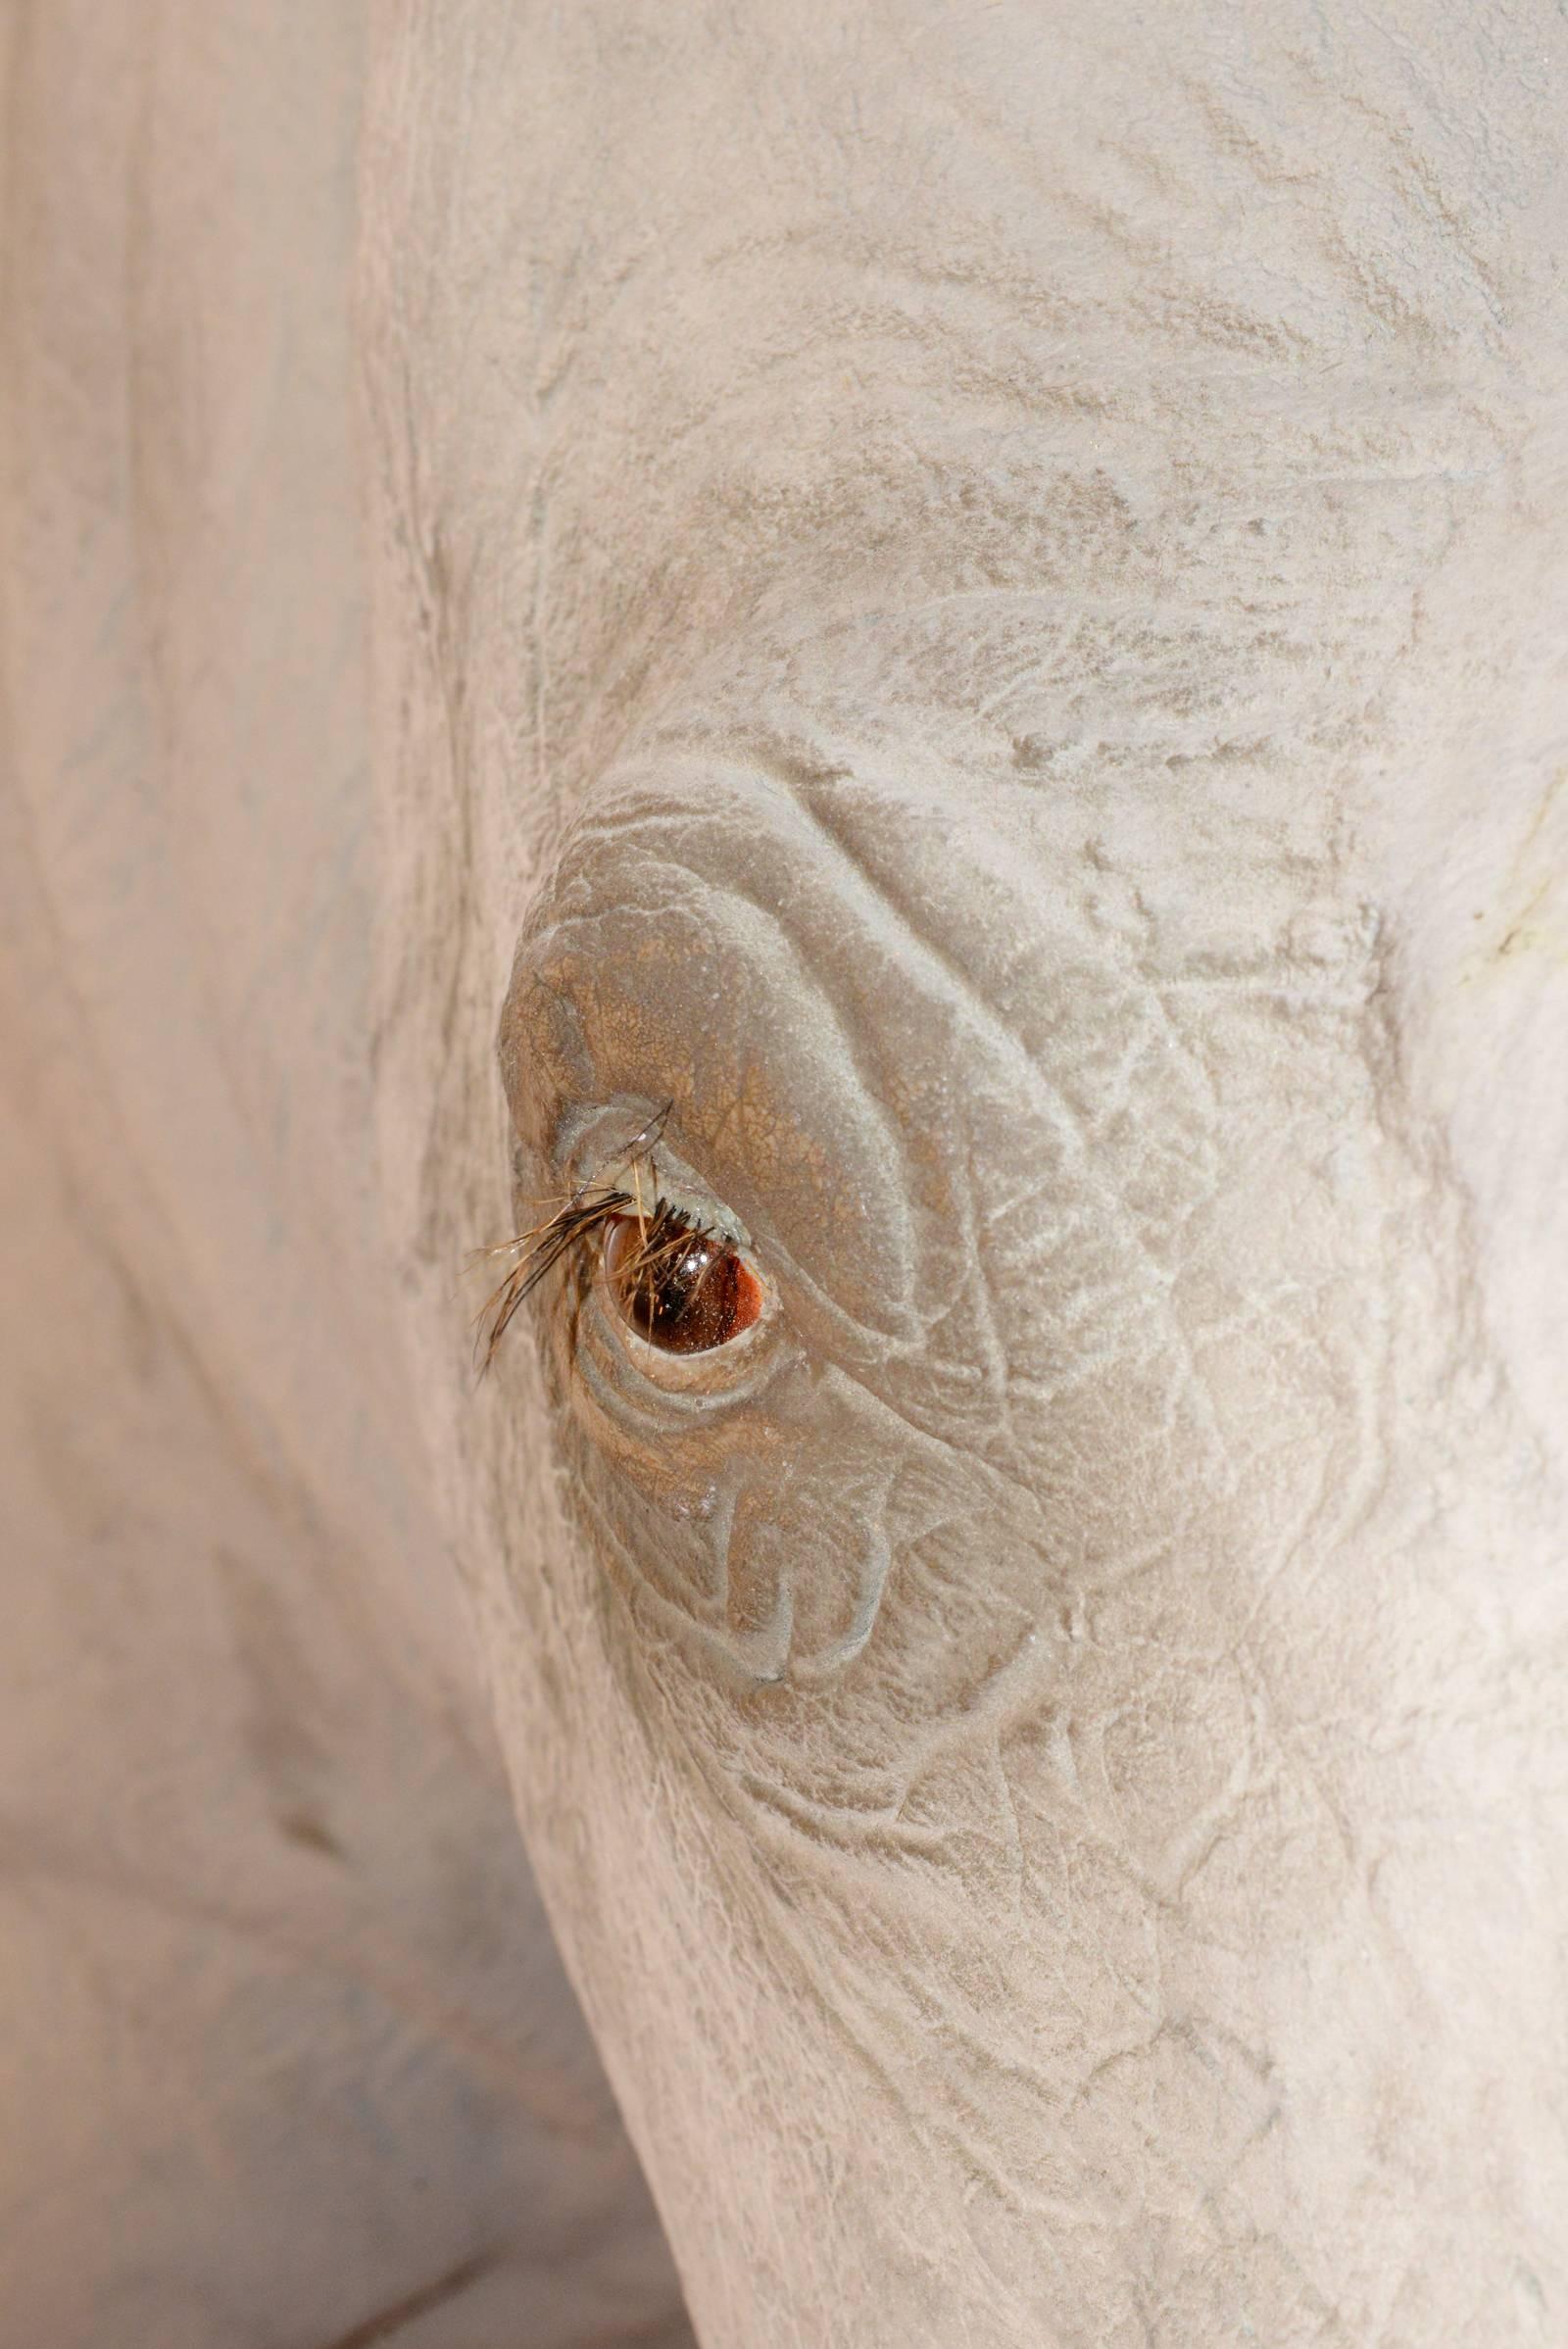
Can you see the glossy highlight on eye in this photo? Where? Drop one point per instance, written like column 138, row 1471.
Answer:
column 673, row 1279
column 677, row 1285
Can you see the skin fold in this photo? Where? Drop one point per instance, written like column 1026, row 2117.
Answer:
column 965, row 604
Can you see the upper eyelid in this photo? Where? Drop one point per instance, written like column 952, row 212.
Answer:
column 590, row 1142
column 664, row 1173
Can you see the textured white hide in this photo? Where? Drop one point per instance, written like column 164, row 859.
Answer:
column 286, row 2056
column 986, row 587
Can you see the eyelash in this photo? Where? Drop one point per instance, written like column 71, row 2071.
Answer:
column 663, row 1281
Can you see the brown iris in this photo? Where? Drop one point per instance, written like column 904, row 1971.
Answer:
column 679, row 1286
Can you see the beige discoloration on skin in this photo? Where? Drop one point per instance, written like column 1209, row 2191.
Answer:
column 286, row 2054
column 973, row 584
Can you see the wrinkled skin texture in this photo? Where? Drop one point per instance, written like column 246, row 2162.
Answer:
column 976, row 595
column 972, row 599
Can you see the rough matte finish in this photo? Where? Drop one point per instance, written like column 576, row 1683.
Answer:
column 974, row 598
column 984, row 590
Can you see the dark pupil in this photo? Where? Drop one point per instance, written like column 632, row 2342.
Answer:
column 687, row 1300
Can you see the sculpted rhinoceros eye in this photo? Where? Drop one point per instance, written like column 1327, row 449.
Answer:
column 678, row 1286
column 673, row 1279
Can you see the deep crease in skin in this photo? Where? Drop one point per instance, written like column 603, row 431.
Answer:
column 880, row 1553
column 996, row 1033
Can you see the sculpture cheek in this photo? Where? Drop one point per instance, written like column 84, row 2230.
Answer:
column 762, row 1531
